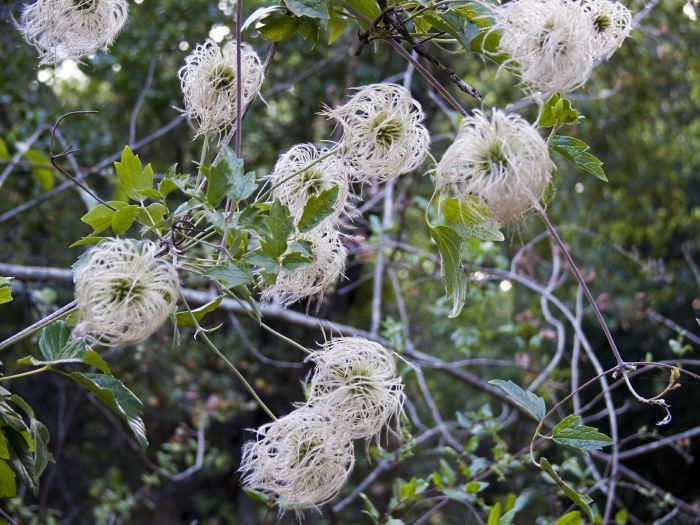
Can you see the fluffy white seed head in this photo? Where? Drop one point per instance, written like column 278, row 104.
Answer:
column 502, row 160
column 302, row 460
column 355, row 380
column 63, row 29
column 313, row 279
column 209, row 85
column 548, row 42
column 612, row 23
column 295, row 190
column 125, row 292
column 382, row 132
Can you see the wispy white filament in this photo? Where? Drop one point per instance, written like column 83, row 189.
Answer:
column 302, row 460
column 124, row 291
column 502, row 160
column 209, row 85
column 328, row 264
column 294, row 191
column 382, row 132
column 63, row 29
column 549, row 43
column 612, row 23
column 355, row 380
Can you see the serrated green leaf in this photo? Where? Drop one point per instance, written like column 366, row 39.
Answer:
column 128, row 168
column 570, row 518
column 582, row 500
column 231, row 274
column 310, row 8
column 470, row 220
column 278, row 226
column 317, row 208
column 218, row 181
column 100, row 217
column 8, row 483
column 557, row 110
column 572, row 433
column 533, row 403
column 43, row 175
column 123, row 219
column 576, row 151
column 449, row 244
column 185, row 318
column 278, row 28
column 117, row 398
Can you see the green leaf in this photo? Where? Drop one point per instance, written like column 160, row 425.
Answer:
column 153, row 215
column 132, row 175
column 317, row 208
column 4, row 450
column 100, row 217
column 231, row 274
column 621, row 517
column 310, row 8
column 367, row 8
column 90, row 239
column 118, row 398
column 533, row 403
column 294, row 261
column 336, row 27
column 4, row 151
column 57, row 347
column 243, row 185
column 185, row 318
column 5, row 290
column 570, row 518
column 557, row 110
column 582, row 500
column 53, row 341
column 278, row 226
column 495, row 514
column 571, row 432
column 470, row 220
column 218, row 181
column 449, row 245
column 166, row 186
column 309, row 28
column 8, row 483
column 474, row 487
column 576, row 151
column 370, row 509
column 44, row 176
column 278, row 28
column 124, row 218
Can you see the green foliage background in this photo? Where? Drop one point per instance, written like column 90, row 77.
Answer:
column 633, row 236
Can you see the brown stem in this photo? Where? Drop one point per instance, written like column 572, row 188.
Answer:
column 586, row 291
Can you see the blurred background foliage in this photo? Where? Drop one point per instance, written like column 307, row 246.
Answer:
column 636, row 237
